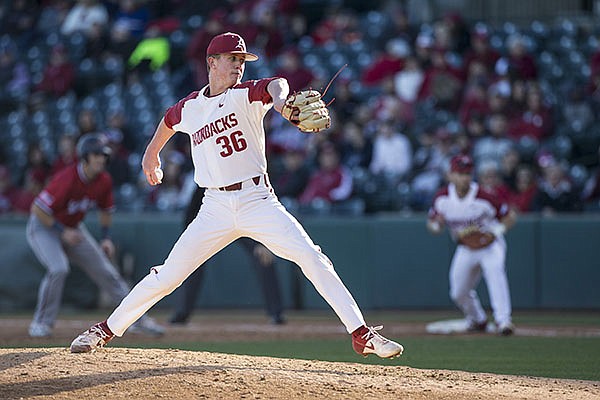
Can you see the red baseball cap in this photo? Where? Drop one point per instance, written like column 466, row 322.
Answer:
column 229, row 42
column 462, row 163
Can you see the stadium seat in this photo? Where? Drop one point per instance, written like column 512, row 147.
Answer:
column 192, row 23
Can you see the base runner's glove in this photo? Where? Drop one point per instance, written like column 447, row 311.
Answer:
column 307, row 111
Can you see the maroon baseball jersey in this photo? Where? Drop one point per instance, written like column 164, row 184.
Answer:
column 477, row 209
column 69, row 195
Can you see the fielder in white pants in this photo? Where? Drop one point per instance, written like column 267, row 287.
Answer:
column 469, row 211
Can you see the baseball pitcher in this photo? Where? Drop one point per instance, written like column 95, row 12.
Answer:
column 224, row 121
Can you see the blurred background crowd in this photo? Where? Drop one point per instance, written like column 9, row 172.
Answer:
column 418, row 87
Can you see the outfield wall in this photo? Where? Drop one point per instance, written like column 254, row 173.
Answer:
column 386, row 262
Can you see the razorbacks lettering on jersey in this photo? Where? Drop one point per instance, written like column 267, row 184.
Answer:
column 226, row 132
column 476, row 209
column 69, row 195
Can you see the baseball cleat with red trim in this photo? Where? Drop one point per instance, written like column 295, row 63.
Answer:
column 94, row 338
column 366, row 340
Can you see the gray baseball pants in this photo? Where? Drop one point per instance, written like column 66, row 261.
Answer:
column 57, row 256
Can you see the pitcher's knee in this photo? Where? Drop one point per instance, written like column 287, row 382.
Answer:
column 161, row 283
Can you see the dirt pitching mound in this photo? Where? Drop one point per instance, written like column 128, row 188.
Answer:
column 119, row 373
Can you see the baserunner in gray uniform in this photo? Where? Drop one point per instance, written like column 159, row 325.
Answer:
column 57, row 235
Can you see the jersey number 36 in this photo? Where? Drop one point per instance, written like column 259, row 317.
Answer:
column 231, row 143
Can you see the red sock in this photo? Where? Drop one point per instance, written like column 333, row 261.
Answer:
column 360, row 331
column 104, row 326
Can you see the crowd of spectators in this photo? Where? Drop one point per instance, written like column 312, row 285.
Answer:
column 521, row 100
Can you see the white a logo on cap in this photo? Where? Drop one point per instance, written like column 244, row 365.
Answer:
column 240, row 45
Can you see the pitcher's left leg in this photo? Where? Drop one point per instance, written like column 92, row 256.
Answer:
column 268, row 222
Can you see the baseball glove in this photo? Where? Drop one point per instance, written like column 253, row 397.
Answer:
column 307, row 111
column 475, row 239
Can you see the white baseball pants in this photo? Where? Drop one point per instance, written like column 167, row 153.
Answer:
column 255, row 212
column 465, row 274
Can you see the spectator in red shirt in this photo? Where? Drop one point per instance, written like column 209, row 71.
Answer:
column 331, row 182
column 342, row 26
column 407, row 84
column 270, row 36
column 474, row 102
column 59, row 75
column 388, row 63
column 521, row 199
column 442, row 82
column 535, row 121
column 481, row 52
column 518, row 98
column 291, row 68
column 518, row 61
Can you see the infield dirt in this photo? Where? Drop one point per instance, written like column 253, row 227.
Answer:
column 118, row 373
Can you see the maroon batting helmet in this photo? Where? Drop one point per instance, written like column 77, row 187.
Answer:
column 93, row 143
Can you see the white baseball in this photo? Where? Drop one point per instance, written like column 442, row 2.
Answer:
column 159, row 173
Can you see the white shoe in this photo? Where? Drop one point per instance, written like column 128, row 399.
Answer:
column 147, row 326
column 37, row 330
column 367, row 341
column 91, row 340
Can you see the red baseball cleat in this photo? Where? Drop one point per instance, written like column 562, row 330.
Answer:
column 366, row 340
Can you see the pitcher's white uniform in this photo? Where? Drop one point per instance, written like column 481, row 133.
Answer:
column 478, row 209
column 228, row 151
